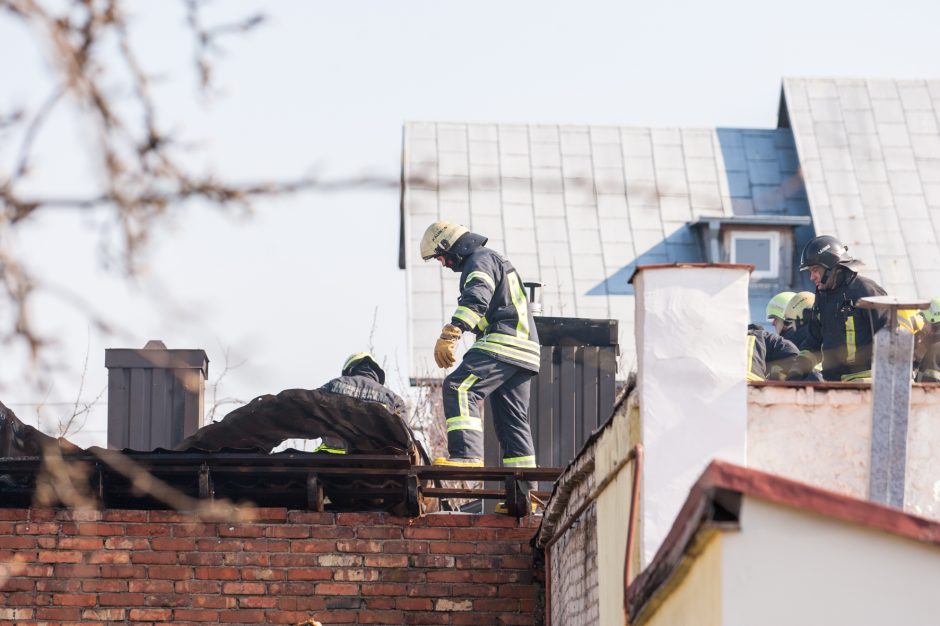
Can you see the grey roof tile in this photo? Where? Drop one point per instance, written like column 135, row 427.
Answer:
column 483, row 132
column 887, row 111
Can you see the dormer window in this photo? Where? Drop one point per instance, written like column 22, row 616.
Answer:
column 758, row 248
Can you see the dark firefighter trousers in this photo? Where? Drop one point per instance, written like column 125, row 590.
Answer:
column 480, row 375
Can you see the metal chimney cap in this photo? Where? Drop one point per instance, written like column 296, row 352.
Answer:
column 155, row 344
column 893, row 302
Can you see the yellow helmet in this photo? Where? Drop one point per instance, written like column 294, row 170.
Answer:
column 439, row 237
column 797, row 304
column 778, row 304
column 910, row 320
column 932, row 314
column 359, row 357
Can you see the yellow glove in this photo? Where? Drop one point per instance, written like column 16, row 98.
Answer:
column 444, row 348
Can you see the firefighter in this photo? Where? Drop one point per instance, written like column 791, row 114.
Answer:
column 776, row 309
column 929, row 370
column 361, row 378
column 769, row 356
column 840, row 334
column 501, row 362
column 796, row 315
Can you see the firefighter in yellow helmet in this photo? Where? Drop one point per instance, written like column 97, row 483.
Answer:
column 776, row 310
column 796, row 314
column 929, row 370
column 492, row 305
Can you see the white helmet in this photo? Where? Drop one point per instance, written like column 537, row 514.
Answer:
column 439, row 238
column 932, row 314
column 797, row 304
column 778, row 305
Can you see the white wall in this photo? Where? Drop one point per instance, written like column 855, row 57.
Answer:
column 691, row 346
column 790, row 567
column 823, row 438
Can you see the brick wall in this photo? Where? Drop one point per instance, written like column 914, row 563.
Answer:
column 574, row 565
column 158, row 567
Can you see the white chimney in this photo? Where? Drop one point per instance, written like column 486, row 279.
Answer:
column 691, row 336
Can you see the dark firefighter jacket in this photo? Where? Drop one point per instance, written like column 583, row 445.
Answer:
column 841, row 331
column 768, row 355
column 493, row 305
column 929, row 370
column 797, row 334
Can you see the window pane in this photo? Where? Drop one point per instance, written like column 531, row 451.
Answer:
column 753, row 251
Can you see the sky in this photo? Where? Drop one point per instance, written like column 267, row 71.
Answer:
column 284, row 295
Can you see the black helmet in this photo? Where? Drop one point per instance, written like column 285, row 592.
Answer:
column 825, row 251
column 363, row 358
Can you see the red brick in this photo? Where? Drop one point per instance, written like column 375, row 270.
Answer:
column 77, row 571
column 197, row 586
column 287, row 532
column 429, row 618
column 43, row 571
column 427, row 590
column 127, row 543
column 26, row 599
column 123, row 571
column 251, row 617
column 201, row 558
column 214, row 602
column 46, row 543
column 171, row 517
column 478, row 562
column 17, row 542
column 57, row 612
column 154, row 558
column 296, row 617
column 379, row 532
column 429, row 560
column 307, row 517
column 307, row 573
column 217, row 573
column 60, row 585
column 37, row 528
column 147, row 530
column 116, row 615
column 195, row 615
column 252, row 558
column 414, row 604
column 263, row 574
column 474, row 591
column 361, row 519
column 121, row 599
column 502, row 576
column 516, row 562
column 243, row 588
column 149, row 615
column 450, row 576
column 256, row 602
column 17, row 584
column 301, row 603
column 405, row 547
column 312, row 545
column 166, row 599
column 292, row 589
column 385, row 589
column 386, row 560
column 170, row 572
column 121, row 515
column 337, row 589
column 358, row 546
column 80, row 543
column 402, row 575
column 451, row 547
column 269, row 514
column 381, row 617
column 220, row 545
column 501, row 605
column 519, row 619
column 100, row 528
column 240, row 530
column 267, row 545
column 110, row 556
column 15, row 515
column 51, row 556
column 195, row 530
column 173, row 543
column 151, row 586
column 450, row 519
column 495, row 521
column 15, row 614
column 42, row 514
column 332, row 532
column 341, row 560
column 516, row 591
column 354, row 575
column 296, row 560
column 427, row 533
column 378, row 603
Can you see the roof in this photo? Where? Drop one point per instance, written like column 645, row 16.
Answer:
column 870, row 155
column 715, row 501
column 579, row 207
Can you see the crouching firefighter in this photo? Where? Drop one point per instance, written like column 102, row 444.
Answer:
column 363, row 379
column 838, row 328
column 769, row 356
column 493, row 306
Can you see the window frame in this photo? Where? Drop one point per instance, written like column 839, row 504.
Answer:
column 773, row 236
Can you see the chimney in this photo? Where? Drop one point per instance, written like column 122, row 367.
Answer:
column 691, row 337
column 155, row 395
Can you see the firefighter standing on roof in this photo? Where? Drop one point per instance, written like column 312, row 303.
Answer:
column 929, row 370
column 838, row 329
column 493, row 306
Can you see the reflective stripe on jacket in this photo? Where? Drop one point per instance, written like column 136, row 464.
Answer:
column 842, row 332
column 493, row 305
column 768, row 354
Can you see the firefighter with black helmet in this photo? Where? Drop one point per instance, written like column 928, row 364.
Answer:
column 364, row 379
column 501, row 362
column 840, row 334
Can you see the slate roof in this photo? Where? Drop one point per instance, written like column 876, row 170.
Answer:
column 870, row 155
column 578, row 207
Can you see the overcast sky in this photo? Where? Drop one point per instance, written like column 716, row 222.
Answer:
column 325, row 87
